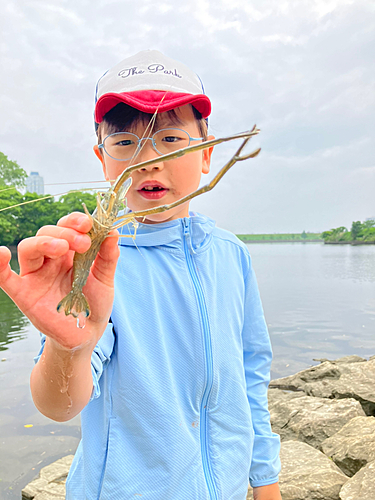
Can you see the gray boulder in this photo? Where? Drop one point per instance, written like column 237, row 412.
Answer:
column 348, row 377
column 249, row 495
column 307, row 474
column 307, row 419
column 361, row 486
column 353, row 446
column 353, row 358
column 50, row 485
column 276, row 395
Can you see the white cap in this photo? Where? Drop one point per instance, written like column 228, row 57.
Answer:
column 150, row 81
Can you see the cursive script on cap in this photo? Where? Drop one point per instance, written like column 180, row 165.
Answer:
column 152, row 68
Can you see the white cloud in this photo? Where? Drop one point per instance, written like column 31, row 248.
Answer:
column 302, row 70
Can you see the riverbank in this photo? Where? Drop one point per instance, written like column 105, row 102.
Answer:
column 281, row 238
column 297, row 238
column 325, row 416
column 352, row 242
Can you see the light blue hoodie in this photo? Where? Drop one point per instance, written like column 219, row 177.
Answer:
column 179, row 404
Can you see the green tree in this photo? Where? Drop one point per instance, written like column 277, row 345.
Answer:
column 304, row 235
column 336, row 234
column 34, row 215
column 24, row 221
column 326, row 234
column 8, row 218
column 72, row 202
column 11, row 173
column 356, row 230
column 369, row 223
column 42, row 212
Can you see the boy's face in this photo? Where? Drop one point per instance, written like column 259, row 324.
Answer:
column 175, row 178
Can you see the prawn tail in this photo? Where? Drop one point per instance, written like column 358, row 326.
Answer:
column 75, row 303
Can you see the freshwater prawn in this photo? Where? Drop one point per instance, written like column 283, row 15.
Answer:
column 105, row 217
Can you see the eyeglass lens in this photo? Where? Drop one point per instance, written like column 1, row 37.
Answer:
column 124, row 145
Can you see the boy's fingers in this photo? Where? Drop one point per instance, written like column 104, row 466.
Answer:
column 105, row 263
column 5, row 256
column 76, row 220
column 77, row 241
column 33, row 251
column 9, row 280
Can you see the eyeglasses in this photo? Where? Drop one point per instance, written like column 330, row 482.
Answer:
column 125, row 145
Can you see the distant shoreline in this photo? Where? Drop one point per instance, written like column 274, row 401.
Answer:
column 281, row 238
column 282, row 241
column 297, row 238
column 353, row 242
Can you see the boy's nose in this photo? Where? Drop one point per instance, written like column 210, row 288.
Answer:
column 147, row 152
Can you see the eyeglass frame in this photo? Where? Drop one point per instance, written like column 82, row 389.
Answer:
column 101, row 146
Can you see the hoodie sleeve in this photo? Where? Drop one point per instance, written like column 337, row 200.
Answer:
column 99, row 359
column 257, row 354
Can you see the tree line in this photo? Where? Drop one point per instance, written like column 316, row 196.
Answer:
column 24, row 221
column 360, row 232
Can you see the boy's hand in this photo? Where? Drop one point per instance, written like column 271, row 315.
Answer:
column 45, row 277
column 269, row 492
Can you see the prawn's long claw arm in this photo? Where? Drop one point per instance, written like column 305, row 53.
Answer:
column 181, row 152
column 235, row 158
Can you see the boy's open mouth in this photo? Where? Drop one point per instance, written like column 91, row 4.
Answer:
column 152, row 191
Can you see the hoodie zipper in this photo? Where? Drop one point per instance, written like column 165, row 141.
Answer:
column 208, row 362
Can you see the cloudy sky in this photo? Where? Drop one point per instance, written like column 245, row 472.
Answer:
column 302, row 70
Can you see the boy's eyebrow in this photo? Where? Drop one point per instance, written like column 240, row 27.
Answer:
column 167, row 119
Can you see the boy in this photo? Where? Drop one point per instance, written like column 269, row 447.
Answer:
column 172, row 389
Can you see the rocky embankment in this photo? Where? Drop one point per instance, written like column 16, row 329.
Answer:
column 325, row 416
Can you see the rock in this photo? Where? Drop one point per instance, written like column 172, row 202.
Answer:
column 307, row 474
column 297, row 417
column 353, row 446
column 347, row 377
column 345, row 359
column 361, row 486
column 249, row 495
column 50, row 485
column 275, row 395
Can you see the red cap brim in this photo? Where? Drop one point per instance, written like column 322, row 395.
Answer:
column 150, row 101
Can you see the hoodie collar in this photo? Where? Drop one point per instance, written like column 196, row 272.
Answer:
column 197, row 227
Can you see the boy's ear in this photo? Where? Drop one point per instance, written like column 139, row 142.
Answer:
column 207, row 156
column 100, row 156
column 98, row 153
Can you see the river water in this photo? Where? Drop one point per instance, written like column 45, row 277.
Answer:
column 319, row 302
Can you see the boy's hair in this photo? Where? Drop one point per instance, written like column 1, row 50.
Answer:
column 123, row 118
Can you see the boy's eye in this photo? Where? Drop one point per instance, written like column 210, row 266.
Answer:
column 124, row 142
column 120, row 140
column 171, row 138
